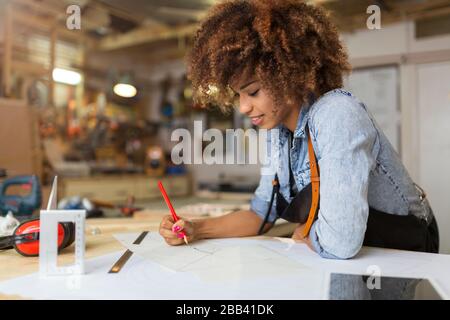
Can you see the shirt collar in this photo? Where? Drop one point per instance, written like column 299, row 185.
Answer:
column 302, row 120
column 299, row 131
column 303, row 117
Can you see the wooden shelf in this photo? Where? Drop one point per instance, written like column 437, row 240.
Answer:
column 118, row 188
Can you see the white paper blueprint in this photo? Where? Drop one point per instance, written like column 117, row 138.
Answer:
column 141, row 278
column 211, row 260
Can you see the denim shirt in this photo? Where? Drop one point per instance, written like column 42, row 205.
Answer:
column 358, row 168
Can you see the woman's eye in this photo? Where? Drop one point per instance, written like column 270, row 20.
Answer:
column 254, row 93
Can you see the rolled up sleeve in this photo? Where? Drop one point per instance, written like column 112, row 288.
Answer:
column 316, row 244
column 345, row 136
column 261, row 200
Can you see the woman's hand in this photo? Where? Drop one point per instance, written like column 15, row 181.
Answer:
column 173, row 232
column 298, row 236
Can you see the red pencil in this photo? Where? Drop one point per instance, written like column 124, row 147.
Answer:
column 172, row 210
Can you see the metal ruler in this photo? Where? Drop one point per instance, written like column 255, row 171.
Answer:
column 127, row 254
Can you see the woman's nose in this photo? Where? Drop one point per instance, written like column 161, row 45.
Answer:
column 244, row 106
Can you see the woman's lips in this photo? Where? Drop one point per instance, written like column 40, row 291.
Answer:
column 257, row 120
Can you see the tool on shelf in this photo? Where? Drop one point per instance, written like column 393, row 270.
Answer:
column 20, row 205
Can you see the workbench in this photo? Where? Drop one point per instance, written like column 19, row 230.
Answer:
column 100, row 242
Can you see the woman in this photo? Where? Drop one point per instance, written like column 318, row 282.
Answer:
column 282, row 63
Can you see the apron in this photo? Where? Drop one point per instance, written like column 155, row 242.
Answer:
column 383, row 230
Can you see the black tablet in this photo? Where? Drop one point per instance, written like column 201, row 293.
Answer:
column 366, row 287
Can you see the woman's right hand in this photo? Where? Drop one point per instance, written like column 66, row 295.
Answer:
column 172, row 231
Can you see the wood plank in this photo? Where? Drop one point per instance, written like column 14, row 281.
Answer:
column 433, row 27
column 51, row 84
column 7, row 54
column 428, row 56
column 417, row 7
column 19, row 120
column 396, row 12
column 408, row 58
column 47, row 25
column 145, row 35
column 430, row 13
column 121, row 13
column 43, row 7
column 30, row 68
column 34, row 21
column 376, row 61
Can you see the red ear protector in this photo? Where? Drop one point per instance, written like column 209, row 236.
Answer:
column 25, row 238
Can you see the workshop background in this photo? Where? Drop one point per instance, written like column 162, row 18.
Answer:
column 96, row 105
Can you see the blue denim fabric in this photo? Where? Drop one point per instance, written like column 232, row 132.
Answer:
column 358, row 168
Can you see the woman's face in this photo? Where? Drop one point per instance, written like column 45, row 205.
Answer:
column 255, row 102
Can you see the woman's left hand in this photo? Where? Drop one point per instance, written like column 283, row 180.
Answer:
column 298, row 236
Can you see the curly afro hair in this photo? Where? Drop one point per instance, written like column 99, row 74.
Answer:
column 291, row 47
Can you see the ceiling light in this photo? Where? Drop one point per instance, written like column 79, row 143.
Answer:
column 66, row 76
column 125, row 90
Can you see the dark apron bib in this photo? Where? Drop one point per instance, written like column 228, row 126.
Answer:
column 383, row 229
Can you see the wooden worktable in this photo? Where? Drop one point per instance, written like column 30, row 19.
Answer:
column 99, row 241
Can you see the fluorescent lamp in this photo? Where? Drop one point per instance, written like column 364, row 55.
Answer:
column 66, row 76
column 125, row 90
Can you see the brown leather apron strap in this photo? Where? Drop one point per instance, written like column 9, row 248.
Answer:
column 315, row 183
